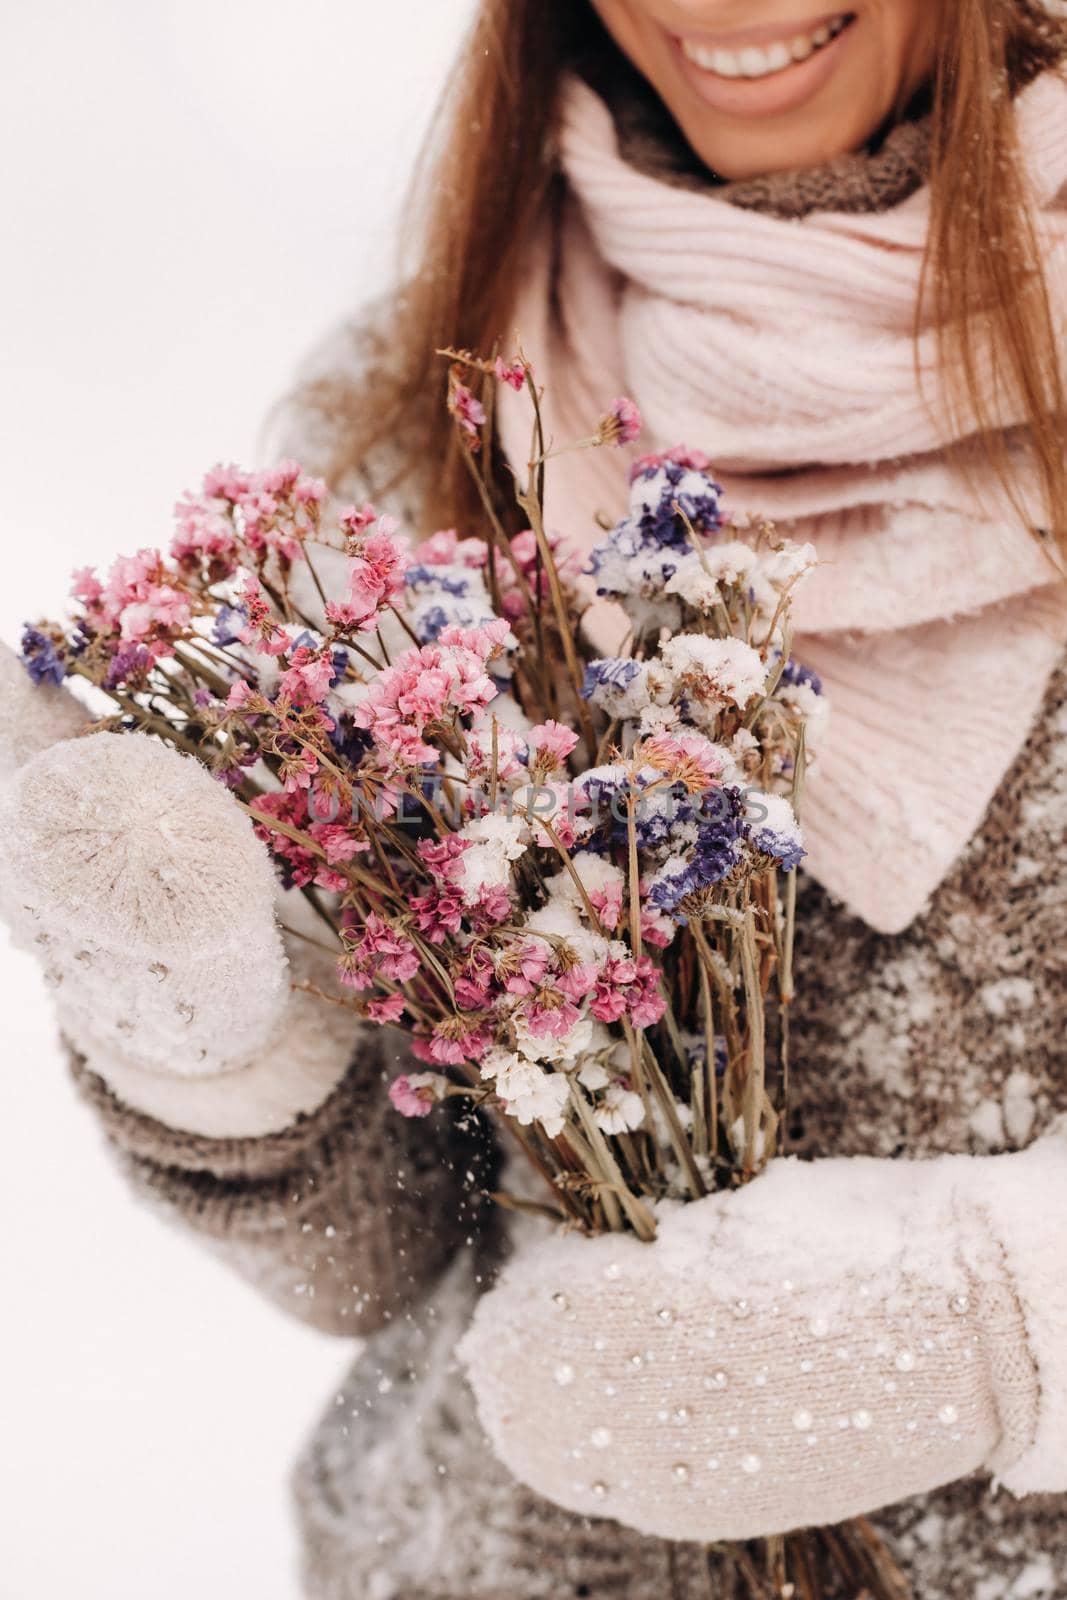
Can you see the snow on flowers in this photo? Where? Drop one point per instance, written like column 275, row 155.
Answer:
column 560, row 875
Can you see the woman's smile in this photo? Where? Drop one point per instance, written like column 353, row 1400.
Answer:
column 758, row 72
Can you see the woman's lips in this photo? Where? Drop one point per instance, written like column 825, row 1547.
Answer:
column 780, row 90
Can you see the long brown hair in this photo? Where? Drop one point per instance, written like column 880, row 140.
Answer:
column 488, row 176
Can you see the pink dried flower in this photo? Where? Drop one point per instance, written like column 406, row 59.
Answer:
column 309, row 491
column 390, row 1009
column 454, row 1042
column 439, row 550
column 375, row 951
column 626, row 986
column 441, row 856
column 394, row 956
column 439, row 912
column 645, row 999
column 513, row 374
column 534, row 960
column 486, row 641
column 693, row 460
column 300, row 863
column 622, row 424
column 239, row 695
column 416, row 1093
column 354, row 521
column 162, row 608
column 204, row 536
column 687, row 758
column 264, row 512
column 468, row 412
column 435, row 683
column 607, row 903
column 225, row 483
column 551, row 743
column 261, row 629
column 86, row 586
column 493, row 905
column 297, row 769
column 375, row 577
column 609, row 1001
column 658, row 928
column 470, row 995
column 308, row 677
column 140, row 599
column 446, row 549
column 549, row 1014
column 510, row 747
column 288, row 480
column 338, row 842
column 558, row 803
column 578, row 981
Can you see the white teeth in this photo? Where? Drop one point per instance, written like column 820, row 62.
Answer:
column 754, row 62
column 778, row 56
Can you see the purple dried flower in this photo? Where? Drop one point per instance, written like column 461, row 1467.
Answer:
column 43, row 662
column 132, row 663
column 229, row 622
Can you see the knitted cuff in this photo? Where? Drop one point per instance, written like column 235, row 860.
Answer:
column 1028, row 1205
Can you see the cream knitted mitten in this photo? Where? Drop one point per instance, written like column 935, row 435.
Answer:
column 831, row 1339
column 140, row 884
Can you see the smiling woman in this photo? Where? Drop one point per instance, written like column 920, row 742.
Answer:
column 758, row 89
column 780, row 235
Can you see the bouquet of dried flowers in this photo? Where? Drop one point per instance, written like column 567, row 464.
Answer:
column 573, row 891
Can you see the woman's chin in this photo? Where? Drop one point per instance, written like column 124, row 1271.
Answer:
column 742, row 153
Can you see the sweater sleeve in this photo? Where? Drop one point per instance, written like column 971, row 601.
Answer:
column 343, row 1218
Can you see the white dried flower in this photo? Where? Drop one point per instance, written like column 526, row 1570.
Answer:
column 620, row 1110
column 593, row 1075
column 498, row 840
column 530, row 1094
column 560, row 918
column 788, row 563
column 563, row 1052
column 699, row 579
column 714, row 669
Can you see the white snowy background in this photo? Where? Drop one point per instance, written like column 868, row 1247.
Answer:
column 191, row 191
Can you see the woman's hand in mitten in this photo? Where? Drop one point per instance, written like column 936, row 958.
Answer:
column 832, row 1338
column 140, row 884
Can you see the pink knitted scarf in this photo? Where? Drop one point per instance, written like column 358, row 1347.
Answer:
column 785, row 350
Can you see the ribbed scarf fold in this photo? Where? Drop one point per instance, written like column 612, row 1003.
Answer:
column 785, row 349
